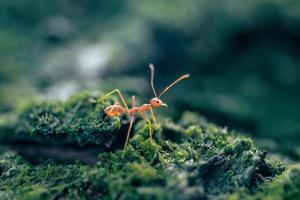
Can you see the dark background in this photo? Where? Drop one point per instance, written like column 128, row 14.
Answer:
column 243, row 57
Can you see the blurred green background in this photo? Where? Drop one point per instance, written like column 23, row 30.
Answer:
column 243, row 57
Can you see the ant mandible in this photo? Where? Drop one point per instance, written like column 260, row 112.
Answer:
column 118, row 110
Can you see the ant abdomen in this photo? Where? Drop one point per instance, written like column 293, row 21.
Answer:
column 115, row 110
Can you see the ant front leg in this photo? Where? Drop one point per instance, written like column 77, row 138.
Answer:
column 149, row 126
column 120, row 95
column 153, row 117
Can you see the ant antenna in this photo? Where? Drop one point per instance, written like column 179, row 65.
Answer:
column 172, row 84
column 152, row 78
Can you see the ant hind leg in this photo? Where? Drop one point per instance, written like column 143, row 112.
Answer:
column 119, row 94
column 103, row 121
column 128, row 132
column 133, row 101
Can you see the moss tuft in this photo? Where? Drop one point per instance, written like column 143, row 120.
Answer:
column 285, row 186
column 76, row 121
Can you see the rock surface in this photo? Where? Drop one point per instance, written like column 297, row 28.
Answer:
column 190, row 159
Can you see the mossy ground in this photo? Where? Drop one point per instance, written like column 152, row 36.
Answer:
column 190, row 159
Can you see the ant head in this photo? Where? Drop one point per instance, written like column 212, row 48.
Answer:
column 156, row 102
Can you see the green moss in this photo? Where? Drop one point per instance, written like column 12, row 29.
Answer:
column 196, row 167
column 76, row 121
column 190, row 159
column 7, row 124
column 286, row 186
column 20, row 180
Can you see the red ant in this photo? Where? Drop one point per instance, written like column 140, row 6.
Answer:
column 118, row 110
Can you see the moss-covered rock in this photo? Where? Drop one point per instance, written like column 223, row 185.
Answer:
column 191, row 159
column 76, row 121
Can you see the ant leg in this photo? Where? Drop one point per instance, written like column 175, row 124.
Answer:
column 128, row 132
column 149, row 126
column 133, row 101
column 120, row 95
column 104, row 120
column 150, row 132
column 153, row 117
column 131, row 122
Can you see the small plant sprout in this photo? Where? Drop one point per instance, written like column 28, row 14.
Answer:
column 118, row 110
